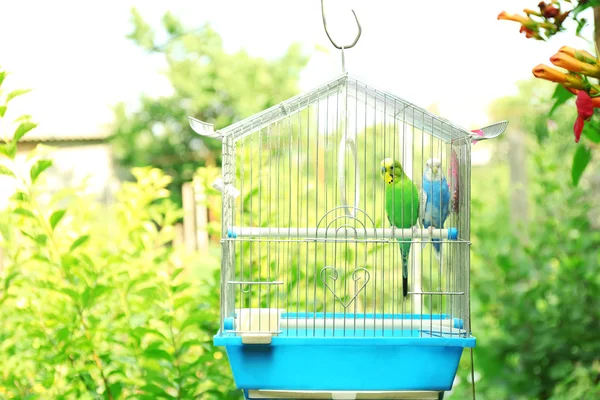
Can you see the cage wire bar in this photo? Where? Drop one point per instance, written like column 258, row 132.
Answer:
column 307, row 247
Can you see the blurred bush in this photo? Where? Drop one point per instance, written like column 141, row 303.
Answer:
column 534, row 289
column 97, row 303
column 209, row 84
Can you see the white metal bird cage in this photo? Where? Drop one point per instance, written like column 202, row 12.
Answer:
column 315, row 302
column 311, row 277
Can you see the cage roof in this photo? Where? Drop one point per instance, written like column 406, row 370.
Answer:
column 392, row 105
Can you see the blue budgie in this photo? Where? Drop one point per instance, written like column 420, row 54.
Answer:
column 435, row 199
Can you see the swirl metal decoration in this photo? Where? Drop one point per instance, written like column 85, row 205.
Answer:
column 355, row 278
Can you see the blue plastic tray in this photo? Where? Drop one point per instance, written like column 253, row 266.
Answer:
column 359, row 361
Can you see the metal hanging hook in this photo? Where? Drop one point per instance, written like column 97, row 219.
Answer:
column 329, row 36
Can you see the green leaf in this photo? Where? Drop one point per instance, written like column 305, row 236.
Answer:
column 141, row 331
column 20, row 196
column 172, row 24
column 188, row 344
column 580, row 25
column 56, row 217
column 22, row 130
column 584, row 5
column 116, row 389
column 6, row 171
column 23, row 118
column 78, row 242
column 142, row 32
column 182, row 301
column 85, row 297
column 99, row 290
column 39, row 167
column 541, row 128
column 63, row 334
column 155, row 391
column 48, row 381
column 15, row 93
column 592, row 132
column 9, row 278
column 9, row 150
column 158, row 354
column 147, row 292
column 582, row 157
column 2, row 76
column 560, row 97
column 248, row 198
column 2, row 111
column 73, row 294
column 176, row 273
column 40, row 239
column 24, row 212
column 192, row 320
column 181, row 287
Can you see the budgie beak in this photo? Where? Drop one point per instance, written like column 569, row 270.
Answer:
column 386, row 171
column 385, row 174
column 435, row 169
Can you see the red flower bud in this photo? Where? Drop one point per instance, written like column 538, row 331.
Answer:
column 578, row 128
column 585, row 110
column 550, row 11
column 585, row 106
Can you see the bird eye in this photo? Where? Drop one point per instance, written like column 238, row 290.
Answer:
column 392, row 167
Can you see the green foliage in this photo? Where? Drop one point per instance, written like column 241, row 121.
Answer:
column 538, row 324
column 536, row 329
column 560, row 97
column 550, row 18
column 584, row 5
column 582, row 158
column 208, row 83
column 591, row 131
column 98, row 303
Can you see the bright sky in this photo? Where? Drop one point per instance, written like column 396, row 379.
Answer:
column 454, row 53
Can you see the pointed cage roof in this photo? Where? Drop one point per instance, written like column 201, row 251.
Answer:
column 392, row 105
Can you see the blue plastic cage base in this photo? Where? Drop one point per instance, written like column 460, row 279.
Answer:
column 349, row 359
column 361, row 395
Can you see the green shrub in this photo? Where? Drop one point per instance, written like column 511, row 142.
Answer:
column 97, row 302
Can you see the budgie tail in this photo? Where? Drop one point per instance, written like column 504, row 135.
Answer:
column 438, row 248
column 404, row 272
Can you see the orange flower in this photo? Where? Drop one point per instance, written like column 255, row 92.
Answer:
column 581, row 55
column 572, row 64
column 530, row 33
column 532, row 12
column 514, row 17
column 528, row 26
column 525, row 21
column 550, row 74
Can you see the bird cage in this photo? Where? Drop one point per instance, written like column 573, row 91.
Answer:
column 332, row 279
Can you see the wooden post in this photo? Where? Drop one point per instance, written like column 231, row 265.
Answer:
column 189, row 217
column 178, row 240
column 518, row 184
column 201, row 211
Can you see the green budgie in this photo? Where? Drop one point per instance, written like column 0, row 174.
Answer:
column 401, row 206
